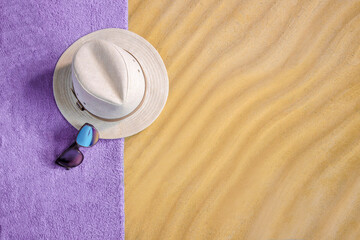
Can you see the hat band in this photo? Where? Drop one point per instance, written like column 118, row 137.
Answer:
column 82, row 108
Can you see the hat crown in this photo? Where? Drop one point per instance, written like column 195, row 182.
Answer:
column 101, row 69
column 107, row 79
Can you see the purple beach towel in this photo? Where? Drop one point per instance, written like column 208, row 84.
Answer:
column 38, row 199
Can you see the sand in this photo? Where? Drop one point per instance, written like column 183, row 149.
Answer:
column 260, row 135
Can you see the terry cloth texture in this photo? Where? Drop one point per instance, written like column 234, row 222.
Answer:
column 38, row 199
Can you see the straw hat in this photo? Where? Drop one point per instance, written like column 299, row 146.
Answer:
column 113, row 79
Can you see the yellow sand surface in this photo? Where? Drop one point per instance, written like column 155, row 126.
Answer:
column 260, row 137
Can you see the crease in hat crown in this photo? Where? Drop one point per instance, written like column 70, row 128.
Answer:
column 107, row 80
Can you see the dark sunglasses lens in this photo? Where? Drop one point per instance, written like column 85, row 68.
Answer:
column 70, row 158
column 87, row 136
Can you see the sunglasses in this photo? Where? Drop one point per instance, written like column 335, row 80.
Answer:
column 87, row 136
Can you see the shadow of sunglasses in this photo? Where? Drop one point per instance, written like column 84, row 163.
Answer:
column 87, row 136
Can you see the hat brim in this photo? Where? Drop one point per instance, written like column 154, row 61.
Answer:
column 156, row 86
